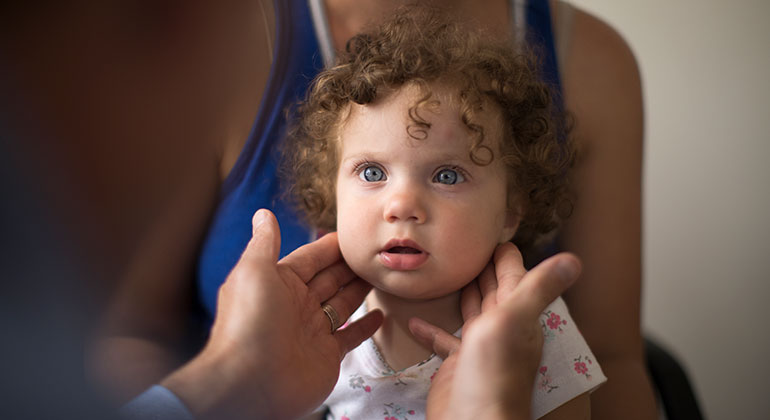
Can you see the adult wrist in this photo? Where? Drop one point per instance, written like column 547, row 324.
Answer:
column 156, row 402
column 212, row 386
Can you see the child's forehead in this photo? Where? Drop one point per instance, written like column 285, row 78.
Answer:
column 438, row 104
column 424, row 127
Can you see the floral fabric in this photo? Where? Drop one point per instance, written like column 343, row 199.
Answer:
column 368, row 388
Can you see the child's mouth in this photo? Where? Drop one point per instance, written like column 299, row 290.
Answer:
column 403, row 250
column 403, row 255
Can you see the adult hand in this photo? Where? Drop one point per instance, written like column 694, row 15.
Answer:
column 272, row 353
column 490, row 375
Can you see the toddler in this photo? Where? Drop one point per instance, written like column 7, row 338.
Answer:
column 425, row 147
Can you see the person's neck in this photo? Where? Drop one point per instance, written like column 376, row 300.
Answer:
column 349, row 17
column 396, row 344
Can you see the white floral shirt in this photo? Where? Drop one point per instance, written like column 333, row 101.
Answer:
column 368, row 388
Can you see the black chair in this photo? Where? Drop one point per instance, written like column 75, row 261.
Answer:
column 675, row 393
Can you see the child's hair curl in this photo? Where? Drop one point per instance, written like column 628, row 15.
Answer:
column 422, row 47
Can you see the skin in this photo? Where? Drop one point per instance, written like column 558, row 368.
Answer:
column 455, row 236
column 603, row 90
column 408, row 202
column 271, row 353
column 488, row 375
column 141, row 228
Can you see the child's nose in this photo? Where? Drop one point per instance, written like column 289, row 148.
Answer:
column 405, row 204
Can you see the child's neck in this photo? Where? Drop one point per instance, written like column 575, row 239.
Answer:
column 396, row 344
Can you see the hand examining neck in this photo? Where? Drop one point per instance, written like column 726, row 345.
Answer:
column 271, row 353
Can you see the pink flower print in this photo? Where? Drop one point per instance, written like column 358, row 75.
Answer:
column 411, row 412
column 367, row 389
column 581, row 368
column 344, row 418
column 544, row 383
column 553, row 321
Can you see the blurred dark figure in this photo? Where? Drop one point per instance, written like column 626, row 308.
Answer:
column 44, row 306
column 103, row 106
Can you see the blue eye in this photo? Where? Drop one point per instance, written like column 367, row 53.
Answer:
column 448, row 177
column 372, row 174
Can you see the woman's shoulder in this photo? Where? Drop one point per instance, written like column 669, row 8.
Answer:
column 601, row 77
column 592, row 38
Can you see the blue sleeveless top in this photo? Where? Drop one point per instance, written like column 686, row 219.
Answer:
column 253, row 182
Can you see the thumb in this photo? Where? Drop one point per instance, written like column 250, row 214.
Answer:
column 542, row 285
column 265, row 237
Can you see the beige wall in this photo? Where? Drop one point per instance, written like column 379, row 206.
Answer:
column 706, row 71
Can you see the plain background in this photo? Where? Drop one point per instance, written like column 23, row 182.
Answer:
column 705, row 66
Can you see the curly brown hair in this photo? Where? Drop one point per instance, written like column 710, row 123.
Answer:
column 423, row 47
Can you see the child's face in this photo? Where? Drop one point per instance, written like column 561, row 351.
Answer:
column 417, row 218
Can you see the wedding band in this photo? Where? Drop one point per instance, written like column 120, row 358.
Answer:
column 331, row 313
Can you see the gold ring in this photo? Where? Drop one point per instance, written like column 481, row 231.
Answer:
column 331, row 313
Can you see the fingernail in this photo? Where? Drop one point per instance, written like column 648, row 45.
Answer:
column 259, row 218
column 568, row 269
column 417, row 327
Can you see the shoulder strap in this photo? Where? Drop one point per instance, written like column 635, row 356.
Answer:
column 322, row 31
column 565, row 15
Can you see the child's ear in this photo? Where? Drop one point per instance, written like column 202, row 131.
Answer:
column 512, row 219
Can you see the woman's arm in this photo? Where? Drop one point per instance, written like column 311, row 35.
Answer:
column 578, row 408
column 602, row 90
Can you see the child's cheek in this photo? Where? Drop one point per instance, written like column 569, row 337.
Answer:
column 351, row 237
